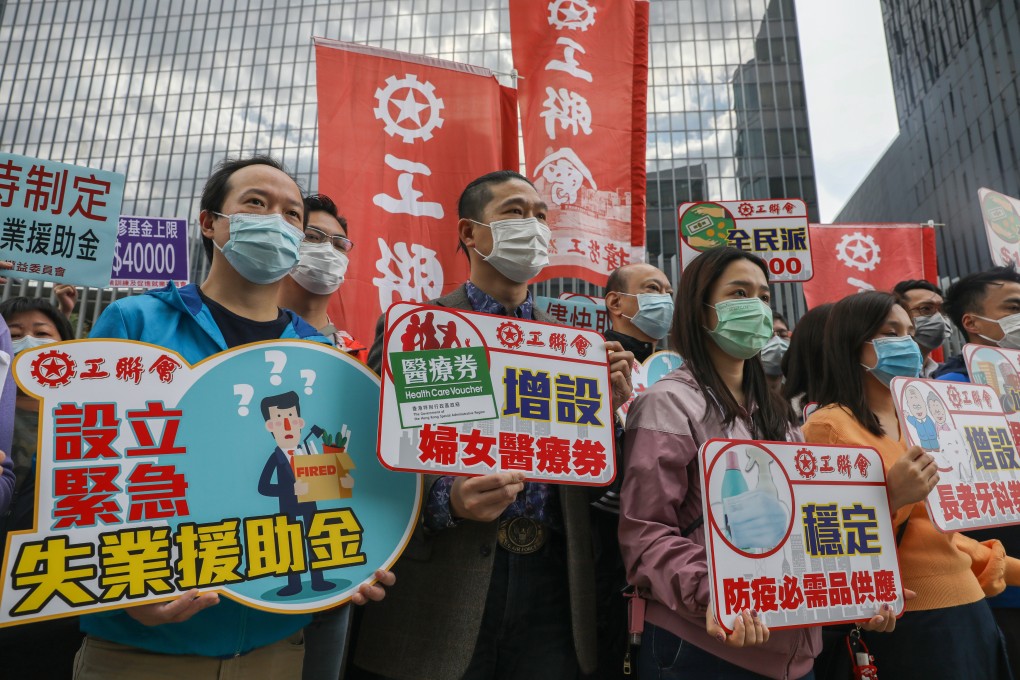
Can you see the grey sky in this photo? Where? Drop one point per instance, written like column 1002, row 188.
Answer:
column 849, row 93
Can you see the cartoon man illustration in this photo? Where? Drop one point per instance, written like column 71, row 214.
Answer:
column 918, row 418
column 938, row 413
column 282, row 413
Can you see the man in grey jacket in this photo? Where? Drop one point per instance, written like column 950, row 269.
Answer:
column 469, row 602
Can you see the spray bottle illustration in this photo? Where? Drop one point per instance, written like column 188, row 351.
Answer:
column 766, row 484
column 733, row 484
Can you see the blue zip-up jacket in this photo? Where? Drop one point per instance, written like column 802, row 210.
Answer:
column 179, row 320
column 955, row 370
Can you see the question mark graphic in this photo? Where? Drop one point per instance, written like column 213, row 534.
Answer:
column 246, row 392
column 308, row 375
column 278, row 359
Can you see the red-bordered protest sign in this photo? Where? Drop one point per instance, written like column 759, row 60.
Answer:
column 801, row 533
column 775, row 230
column 251, row 473
column 965, row 428
column 466, row 393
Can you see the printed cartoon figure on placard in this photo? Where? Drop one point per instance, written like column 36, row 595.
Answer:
column 935, row 430
column 939, row 413
column 755, row 511
column 706, row 226
column 282, row 414
column 923, row 424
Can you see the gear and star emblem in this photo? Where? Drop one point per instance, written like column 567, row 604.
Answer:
column 571, row 14
column 53, row 368
column 858, row 251
column 510, row 335
column 807, row 466
column 401, row 105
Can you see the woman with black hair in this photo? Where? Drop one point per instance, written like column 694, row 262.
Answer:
column 33, row 322
column 947, row 630
column 802, row 375
column 722, row 321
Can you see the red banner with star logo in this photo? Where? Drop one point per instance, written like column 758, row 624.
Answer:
column 868, row 257
column 584, row 148
column 400, row 136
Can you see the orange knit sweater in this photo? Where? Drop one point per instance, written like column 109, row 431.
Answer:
column 938, row 567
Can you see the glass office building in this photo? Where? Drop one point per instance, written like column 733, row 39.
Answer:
column 161, row 91
column 956, row 78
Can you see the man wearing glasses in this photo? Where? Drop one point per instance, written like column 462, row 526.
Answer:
column 923, row 301
column 320, row 271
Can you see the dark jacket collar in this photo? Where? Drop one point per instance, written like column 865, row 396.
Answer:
column 641, row 350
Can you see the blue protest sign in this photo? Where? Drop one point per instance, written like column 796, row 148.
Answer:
column 58, row 222
column 151, row 251
column 252, row 473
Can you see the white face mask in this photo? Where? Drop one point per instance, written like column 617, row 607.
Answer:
column 520, row 247
column 29, row 342
column 1010, row 326
column 321, row 268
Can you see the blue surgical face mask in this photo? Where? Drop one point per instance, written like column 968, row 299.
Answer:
column 756, row 520
column 897, row 357
column 654, row 317
column 261, row 248
column 29, row 342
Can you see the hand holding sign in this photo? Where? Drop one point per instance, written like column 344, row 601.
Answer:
column 748, row 629
column 483, row 499
column 620, row 362
column 911, row 478
column 372, row 593
column 176, row 611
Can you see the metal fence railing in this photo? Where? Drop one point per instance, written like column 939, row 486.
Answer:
column 92, row 301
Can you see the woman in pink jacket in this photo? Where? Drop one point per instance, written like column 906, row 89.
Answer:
column 722, row 321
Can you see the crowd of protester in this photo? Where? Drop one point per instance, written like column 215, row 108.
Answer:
column 461, row 604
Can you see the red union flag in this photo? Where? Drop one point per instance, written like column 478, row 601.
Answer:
column 583, row 93
column 400, row 136
column 857, row 257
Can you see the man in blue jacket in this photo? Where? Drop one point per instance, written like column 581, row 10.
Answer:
column 986, row 308
column 252, row 220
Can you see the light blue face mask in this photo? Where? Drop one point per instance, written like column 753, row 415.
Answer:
column 261, row 248
column 897, row 357
column 654, row 317
column 756, row 520
column 29, row 342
